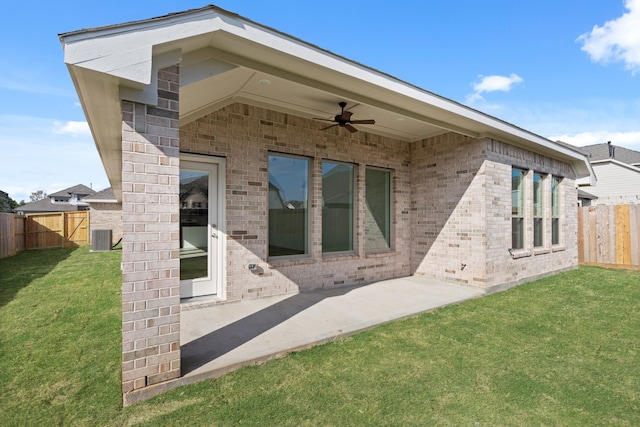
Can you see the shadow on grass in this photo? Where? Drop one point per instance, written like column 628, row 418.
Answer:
column 20, row 270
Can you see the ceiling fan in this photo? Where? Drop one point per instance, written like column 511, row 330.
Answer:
column 344, row 120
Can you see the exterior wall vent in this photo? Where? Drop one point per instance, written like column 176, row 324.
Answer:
column 101, row 240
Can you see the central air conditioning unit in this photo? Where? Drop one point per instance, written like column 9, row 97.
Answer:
column 101, row 240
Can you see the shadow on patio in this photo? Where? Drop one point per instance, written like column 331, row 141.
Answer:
column 220, row 338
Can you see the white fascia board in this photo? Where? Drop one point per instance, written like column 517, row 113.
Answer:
column 616, row 162
column 110, row 201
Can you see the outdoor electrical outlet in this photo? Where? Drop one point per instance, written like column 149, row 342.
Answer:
column 252, row 266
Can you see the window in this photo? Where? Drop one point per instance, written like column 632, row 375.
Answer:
column 538, row 210
column 555, row 210
column 337, row 207
column 288, row 205
column 517, row 208
column 378, row 209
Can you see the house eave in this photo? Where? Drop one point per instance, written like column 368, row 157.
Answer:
column 117, row 62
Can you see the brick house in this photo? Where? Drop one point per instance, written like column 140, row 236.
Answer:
column 231, row 188
column 106, row 213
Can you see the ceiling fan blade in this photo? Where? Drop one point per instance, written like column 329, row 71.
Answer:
column 364, row 122
column 324, row 120
column 328, row 127
column 347, row 115
column 350, row 128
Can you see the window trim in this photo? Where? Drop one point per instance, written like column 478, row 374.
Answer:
column 540, row 217
column 556, row 184
column 522, row 208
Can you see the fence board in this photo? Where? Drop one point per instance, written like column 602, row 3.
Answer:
column 7, row 247
column 634, row 236
column 19, row 224
column 581, row 245
column 602, row 242
column 11, row 234
column 593, row 237
column 622, row 219
column 609, row 234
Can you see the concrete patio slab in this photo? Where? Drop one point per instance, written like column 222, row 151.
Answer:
column 219, row 338
column 216, row 339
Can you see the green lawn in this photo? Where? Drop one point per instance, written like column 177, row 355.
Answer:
column 560, row 351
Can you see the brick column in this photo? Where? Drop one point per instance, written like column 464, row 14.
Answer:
column 150, row 248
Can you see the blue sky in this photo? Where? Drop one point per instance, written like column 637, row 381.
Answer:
column 565, row 69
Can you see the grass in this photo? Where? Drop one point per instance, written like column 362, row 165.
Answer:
column 564, row 350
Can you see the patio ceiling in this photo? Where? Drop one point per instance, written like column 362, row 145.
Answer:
column 225, row 58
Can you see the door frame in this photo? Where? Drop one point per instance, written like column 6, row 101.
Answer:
column 218, row 265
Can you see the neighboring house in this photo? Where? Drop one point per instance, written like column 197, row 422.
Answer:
column 106, row 213
column 67, row 200
column 432, row 188
column 618, row 172
column 584, row 198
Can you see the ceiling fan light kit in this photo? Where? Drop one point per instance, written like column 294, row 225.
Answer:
column 344, row 120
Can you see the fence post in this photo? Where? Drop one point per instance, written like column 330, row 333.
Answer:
column 63, row 238
column 13, row 237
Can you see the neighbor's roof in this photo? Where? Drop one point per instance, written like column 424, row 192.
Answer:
column 226, row 58
column 597, row 152
column 76, row 189
column 102, row 196
column 45, row 205
column 584, row 195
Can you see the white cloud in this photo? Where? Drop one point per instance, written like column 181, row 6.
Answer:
column 616, row 40
column 625, row 139
column 74, row 129
column 44, row 159
column 492, row 84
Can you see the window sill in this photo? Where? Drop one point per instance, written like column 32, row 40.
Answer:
column 558, row 248
column 290, row 262
column 380, row 254
column 329, row 257
column 520, row 253
column 541, row 251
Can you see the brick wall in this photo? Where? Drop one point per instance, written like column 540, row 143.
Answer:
column 502, row 269
column 245, row 135
column 452, row 204
column 107, row 216
column 461, row 213
column 150, row 250
column 448, row 209
column 451, row 214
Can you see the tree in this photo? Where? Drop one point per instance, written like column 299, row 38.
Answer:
column 38, row 195
column 7, row 204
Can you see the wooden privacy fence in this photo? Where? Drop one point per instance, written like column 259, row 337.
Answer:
column 609, row 234
column 57, row 230
column 43, row 230
column 12, row 238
